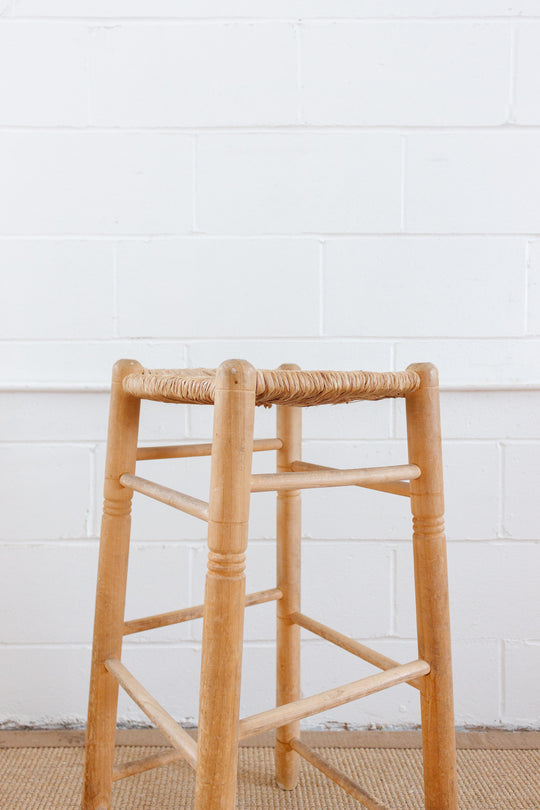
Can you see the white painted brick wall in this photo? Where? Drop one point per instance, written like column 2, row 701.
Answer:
column 435, row 270
column 243, row 75
column 527, row 74
column 452, row 185
column 298, row 182
column 83, row 181
column 258, row 306
column 382, row 72
column 339, row 184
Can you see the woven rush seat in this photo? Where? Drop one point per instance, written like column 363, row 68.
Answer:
column 274, row 387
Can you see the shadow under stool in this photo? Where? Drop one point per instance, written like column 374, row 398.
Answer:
column 234, row 390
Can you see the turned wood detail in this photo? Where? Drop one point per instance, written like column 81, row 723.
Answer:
column 114, row 506
column 227, row 566
column 428, row 527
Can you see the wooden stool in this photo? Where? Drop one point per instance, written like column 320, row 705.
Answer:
column 234, row 390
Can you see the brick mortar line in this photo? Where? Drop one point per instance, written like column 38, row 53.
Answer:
column 502, row 19
column 274, row 129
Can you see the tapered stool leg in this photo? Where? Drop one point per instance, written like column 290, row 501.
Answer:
column 111, row 589
column 288, row 536
column 431, row 586
column 225, row 586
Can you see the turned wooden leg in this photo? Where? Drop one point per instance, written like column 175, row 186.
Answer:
column 431, row 587
column 111, row 590
column 288, row 536
column 225, row 586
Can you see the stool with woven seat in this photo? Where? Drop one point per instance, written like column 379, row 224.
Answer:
column 234, row 390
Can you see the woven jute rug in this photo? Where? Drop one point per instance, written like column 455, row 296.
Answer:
column 48, row 777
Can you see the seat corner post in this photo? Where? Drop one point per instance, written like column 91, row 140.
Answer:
column 111, row 589
column 288, row 543
column 431, row 589
column 230, row 484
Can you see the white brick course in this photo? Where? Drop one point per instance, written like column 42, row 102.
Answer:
column 347, row 586
column 49, row 65
column 37, row 689
column 371, row 73
column 527, row 79
column 46, row 417
column 533, row 290
column 249, row 275
column 298, row 183
column 194, row 75
column 493, row 590
column 84, row 182
column 47, row 492
column 62, row 577
column 521, row 480
column 56, row 290
column 452, row 185
column 493, row 415
column 461, row 287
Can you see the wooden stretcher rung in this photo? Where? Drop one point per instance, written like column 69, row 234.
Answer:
column 309, row 479
column 337, row 776
column 195, row 450
column 146, row 764
column 190, row 613
column 178, row 500
column 168, row 726
column 348, row 643
column 395, row 488
column 306, row 707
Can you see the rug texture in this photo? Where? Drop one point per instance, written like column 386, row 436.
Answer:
column 49, row 778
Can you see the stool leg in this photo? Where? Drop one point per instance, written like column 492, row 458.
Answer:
column 225, row 586
column 431, row 587
column 288, row 537
column 111, row 590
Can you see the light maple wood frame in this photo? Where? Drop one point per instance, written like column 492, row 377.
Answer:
column 214, row 757
column 431, row 591
column 111, row 591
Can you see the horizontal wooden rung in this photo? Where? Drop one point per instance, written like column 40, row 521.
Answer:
column 337, row 776
column 196, row 612
column 306, row 707
column 308, row 479
column 347, row 643
column 395, row 488
column 145, row 764
column 178, row 500
column 177, row 736
column 196, row 450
